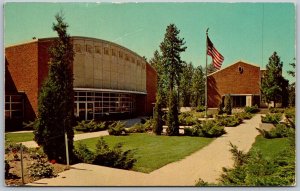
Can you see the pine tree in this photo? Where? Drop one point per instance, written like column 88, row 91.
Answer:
column 198, row 87
column 292, row 86
column 273, row 84
column 171, row 48
column 186, row 83
column 158, row 122
column 55, row 107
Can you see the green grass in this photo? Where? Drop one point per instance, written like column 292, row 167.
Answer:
column 153, row 152
column 18, row 137
column 270, row 148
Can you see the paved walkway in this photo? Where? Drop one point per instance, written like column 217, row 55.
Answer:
column 206, row 163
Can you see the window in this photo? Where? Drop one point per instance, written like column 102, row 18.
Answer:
column 89, row 48
column 97, row 49
column 120, row 54
column 113, row 52
column 77, row 48
column 106, row 51
column 14, row 106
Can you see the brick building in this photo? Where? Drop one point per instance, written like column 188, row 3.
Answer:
column 240, row 80
column 108, row 79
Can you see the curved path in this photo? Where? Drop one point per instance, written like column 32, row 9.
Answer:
column 206, row 163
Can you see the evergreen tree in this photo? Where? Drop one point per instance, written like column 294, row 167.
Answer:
column 198, row 87
column 292, row 86
column 228, row 105
column 273, row 84
column 158, row 122
column 186, row 83
column 55, row 107
column 171, row 48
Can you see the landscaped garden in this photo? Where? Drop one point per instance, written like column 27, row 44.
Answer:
column 153, row 152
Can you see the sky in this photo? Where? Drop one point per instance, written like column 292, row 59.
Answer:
column 240, row 31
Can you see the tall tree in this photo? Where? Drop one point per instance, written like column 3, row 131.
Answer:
column 171, row 48
column 198, row 87
column 273, row 84
column 55, row 107
column 292, row 86
column 156, row 62
column 186, row 84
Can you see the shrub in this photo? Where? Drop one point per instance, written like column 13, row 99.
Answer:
column 83, row 154
column 221, row 108
column 251, row 109
column 117, row 128
column 149, row 124
column 290, row 112
column 201, row 182
column 200, row 108
column 7, row 167
column 207, row 129
column 40, row 169
column 187, row 118
column 228, row 105
column 280, row 130
column 244, row 115
column 114, row 157
column 271, row 118
column 228, row 121
column 138, row 128
column 90, row 126
column 14, row 148
column 275, row 110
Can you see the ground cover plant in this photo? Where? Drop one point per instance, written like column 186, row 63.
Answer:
column 187, row 119
column 117, row 128
column 150, row 151
column 228, row 121
column 205, row 129
column 271, row 118
column 251, row 109
column 90, row 126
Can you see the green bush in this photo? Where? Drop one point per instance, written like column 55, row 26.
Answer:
column 228, row 121
column 117, row 128
column 255, row 170
column 114, row 157
column 251, row 109
column 244, row 115
column 200, row 108
column 280, row 130
column 187, row 119
column 40, row 169
column 290, row 112
column 148, row 124
column 206, row 129
column 138, row 128
column 83, row 154
column 7, row 167
column 276, row 110
column 90, row 126
column 271, row 118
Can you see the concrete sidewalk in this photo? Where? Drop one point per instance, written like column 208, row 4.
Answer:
column 206, row 163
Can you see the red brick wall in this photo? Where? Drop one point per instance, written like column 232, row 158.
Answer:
column 230, row 81
column 43, row 61
column 151, row 82
column 22, row 65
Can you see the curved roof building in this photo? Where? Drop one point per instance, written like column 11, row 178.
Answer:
column 109, row 79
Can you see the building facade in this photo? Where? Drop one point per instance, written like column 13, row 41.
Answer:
column 240, row 80
column 109, row 79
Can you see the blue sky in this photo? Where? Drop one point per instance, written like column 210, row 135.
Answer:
column 240, row 31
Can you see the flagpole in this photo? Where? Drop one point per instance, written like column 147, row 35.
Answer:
column 206, row 77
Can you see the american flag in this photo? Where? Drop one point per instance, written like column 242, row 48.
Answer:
column 217, row 58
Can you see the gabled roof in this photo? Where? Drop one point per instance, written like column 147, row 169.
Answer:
column 255, row 65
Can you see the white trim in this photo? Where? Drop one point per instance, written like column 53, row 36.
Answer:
column 109, row 90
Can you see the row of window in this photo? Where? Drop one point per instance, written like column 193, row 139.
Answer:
column 97, row 49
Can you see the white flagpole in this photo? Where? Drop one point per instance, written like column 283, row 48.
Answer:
column 206, row 77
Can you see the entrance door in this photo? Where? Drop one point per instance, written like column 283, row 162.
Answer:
column 85, row 110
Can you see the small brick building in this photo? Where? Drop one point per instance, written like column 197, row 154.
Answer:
column 240, row 80
column 109, row 79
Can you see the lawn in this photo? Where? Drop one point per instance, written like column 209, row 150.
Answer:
column 18, row 137
column 153, row 152
column 270, row 147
